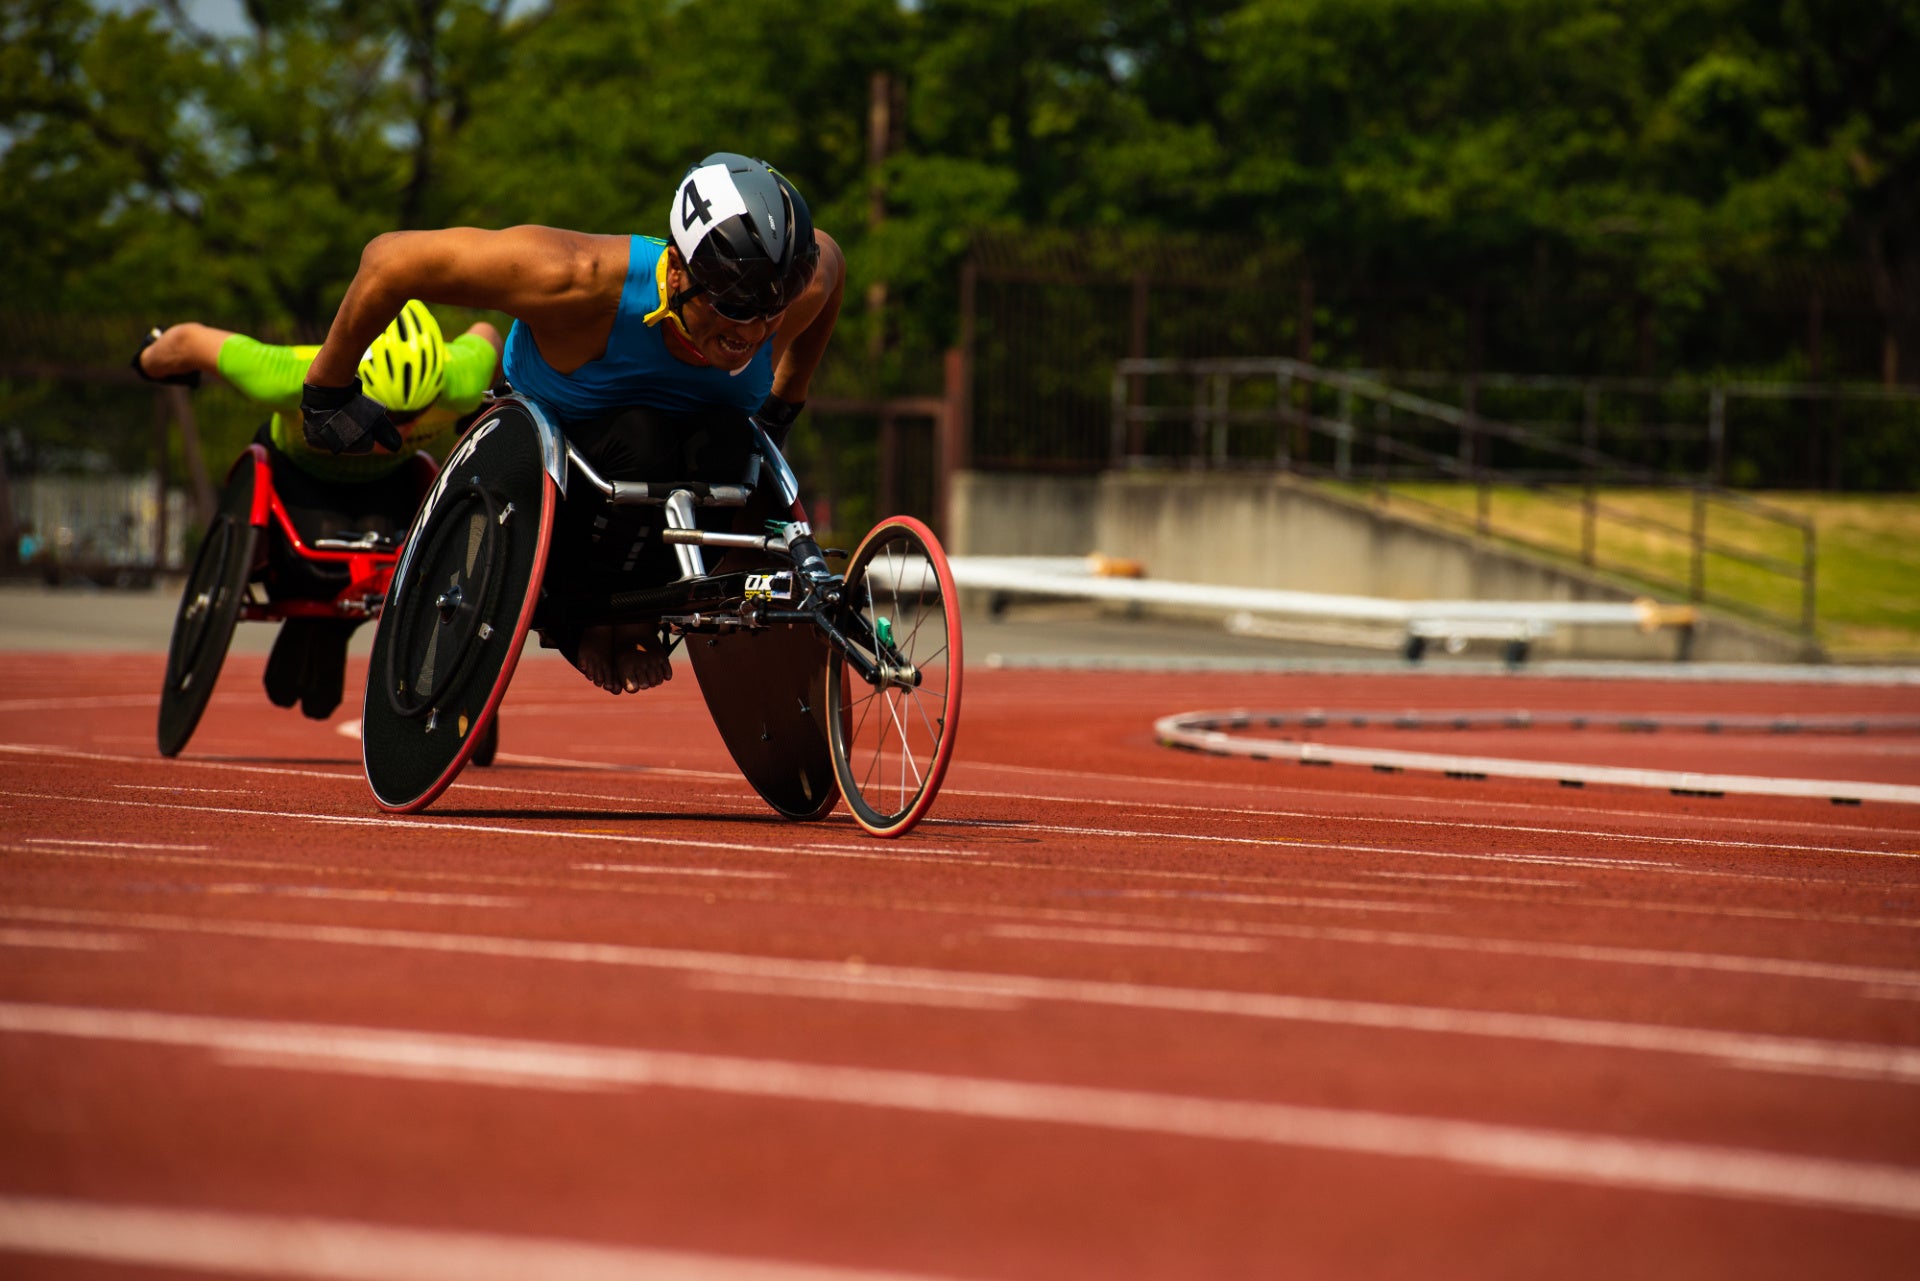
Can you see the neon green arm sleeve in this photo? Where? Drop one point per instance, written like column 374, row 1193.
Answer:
column 470, row 361
column 263, row 371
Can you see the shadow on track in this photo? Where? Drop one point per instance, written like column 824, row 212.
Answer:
column 632, row 816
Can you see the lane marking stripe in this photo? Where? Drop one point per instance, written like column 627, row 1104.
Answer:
column 1745, row 1049
column 1130, row 938
column 1875, row 977
column 883, row 855
column 1478, row 828
column 1636, row 1164
column 337, row 1250
column 68, row 940
column 1437, row 799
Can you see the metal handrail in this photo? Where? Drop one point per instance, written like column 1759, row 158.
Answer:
column 1212, row 416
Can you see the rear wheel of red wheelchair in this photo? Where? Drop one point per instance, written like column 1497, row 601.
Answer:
column 893, row 735
column 457, row 612
column 209, row 608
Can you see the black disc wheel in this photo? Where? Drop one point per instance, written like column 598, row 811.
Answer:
column 209, row 608
column 457, row 612
column 893, row 713
column 441, row 623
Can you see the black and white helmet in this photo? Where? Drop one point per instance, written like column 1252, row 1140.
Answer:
column 745, row 235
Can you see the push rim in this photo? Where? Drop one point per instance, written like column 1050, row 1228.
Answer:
column 892, row 739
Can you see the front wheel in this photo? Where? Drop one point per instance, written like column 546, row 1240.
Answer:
column 893, row 732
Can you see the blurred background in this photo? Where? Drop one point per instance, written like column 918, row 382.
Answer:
column 1628, row 288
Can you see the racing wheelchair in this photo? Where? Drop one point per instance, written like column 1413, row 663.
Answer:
column 259, row 541
column 822, row 685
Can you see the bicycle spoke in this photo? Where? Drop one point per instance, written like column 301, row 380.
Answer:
column 898, row 584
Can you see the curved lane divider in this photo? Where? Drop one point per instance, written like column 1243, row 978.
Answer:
column 1225, row 734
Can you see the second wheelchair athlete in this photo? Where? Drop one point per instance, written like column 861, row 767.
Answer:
column 428, row 387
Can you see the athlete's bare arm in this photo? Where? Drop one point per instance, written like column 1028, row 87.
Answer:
column 564, row 285
column 808, row 324
column 188, row 347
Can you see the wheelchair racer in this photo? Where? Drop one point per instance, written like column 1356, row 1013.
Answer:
column 427, row 386
column 650, row 354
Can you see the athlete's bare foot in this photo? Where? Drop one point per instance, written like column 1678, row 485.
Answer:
column 623, row 658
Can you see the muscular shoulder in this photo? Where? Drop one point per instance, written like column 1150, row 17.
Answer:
column 565, row 271
column 528, row 271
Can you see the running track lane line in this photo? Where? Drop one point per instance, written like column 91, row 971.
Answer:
column 1639, row 1165
column 1903, row 983
column 1464, row 825
column 415, row 823
column 336, row 1250
column 1845, row 1060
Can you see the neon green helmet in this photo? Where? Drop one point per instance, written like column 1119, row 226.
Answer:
column 406, row 367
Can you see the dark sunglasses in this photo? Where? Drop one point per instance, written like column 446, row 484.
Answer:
column 739, row 310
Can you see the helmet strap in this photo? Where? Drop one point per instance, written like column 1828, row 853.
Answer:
column 669, row 309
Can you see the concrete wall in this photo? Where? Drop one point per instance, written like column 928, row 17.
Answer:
column 1274, row 531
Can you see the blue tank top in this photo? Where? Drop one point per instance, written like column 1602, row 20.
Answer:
column 636, row 368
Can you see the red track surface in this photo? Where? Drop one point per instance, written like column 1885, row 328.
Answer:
column 1114, row 1011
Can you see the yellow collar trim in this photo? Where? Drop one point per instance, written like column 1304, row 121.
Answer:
column 654, row 317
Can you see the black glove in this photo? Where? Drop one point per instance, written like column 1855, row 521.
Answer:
column 776, row 416
column 189, row 379
column 341, row 420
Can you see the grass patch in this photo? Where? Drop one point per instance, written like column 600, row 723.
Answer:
column 1867, row 550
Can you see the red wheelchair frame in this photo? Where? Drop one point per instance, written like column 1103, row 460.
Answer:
column 253, row 537
column 369, row 566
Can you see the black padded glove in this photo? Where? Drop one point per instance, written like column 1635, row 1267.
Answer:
column 776, row 416
column 189, row 379
column 341, row 420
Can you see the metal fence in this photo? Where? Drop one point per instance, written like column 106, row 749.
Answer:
column 1742, row 433
column 1044, row 318
column 1738, row 553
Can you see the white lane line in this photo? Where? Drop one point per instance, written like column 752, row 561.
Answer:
column 1395, row 800
column 1445, row 823
column 1538, row 881
column 1210, row 878
column 649, row 869
column 411, row 898
column 396, row 826
column 1755, row 1050
column 1657, row 958
column 851, row 990
column 1479, row 829
column 68, row 940
column 225, row 765
column 808, row 850
column 1596, row 862
column 314, row 1249
column 891, row 856
column 170, row 787
column 1643, row 1165
column 1128, row 938
column 76, row 703
column 1586, row 953
column 75, row 843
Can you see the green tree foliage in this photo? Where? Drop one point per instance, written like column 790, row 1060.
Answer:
column 1652, row 148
